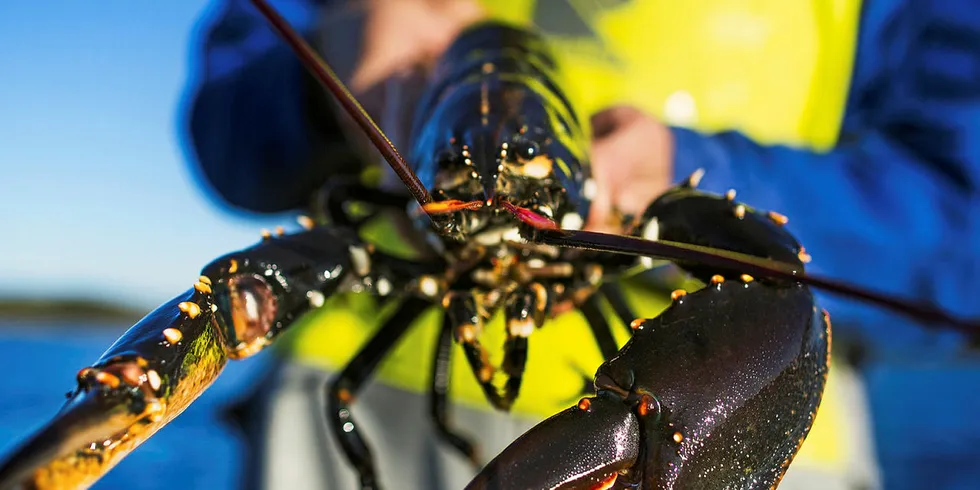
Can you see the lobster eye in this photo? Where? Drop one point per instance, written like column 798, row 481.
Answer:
column 526, row 149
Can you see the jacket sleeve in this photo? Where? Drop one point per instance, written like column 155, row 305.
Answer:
column 889, row 208
column 264, row 134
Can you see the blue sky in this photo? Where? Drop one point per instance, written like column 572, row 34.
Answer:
column 96, row 196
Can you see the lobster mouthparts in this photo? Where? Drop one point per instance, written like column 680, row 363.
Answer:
column 583, row 447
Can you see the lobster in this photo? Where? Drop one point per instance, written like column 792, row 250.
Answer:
column 719, row 390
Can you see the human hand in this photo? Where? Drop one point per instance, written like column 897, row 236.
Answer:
column 632, row 164
column 403, row 34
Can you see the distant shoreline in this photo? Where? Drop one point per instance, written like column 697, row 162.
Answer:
column 67, row 309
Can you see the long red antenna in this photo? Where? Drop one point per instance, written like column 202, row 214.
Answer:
column 329, row 80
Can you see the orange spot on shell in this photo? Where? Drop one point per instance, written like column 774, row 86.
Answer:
column 646, row 405
column 584, row 404
column 233, row 266
column 110, row 380
column 778, row 218
column 172, row 335
column 635, row 324
column 678, row 437
column 803, row 256
column 747, row 278
column 345, row 396
column 192, row 309
column 607, row 483
column 717, row 279
column 306, row 222
column 486, row 374
column 678, row 294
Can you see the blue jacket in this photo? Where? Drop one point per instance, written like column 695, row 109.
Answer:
column 891, row 208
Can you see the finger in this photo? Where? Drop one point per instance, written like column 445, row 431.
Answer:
column 607, row 121
column 601, row 212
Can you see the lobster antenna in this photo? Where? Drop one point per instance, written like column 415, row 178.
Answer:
column 325, row 75
column 930, row 315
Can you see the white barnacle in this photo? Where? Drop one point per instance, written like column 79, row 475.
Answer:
column 522, row 328
column 572, row 221
column 333, row 273
column 590, row 189
column 383, row 286
column 490, row 237
column 360, row 260
column 316, row 298
column 153, row 378
column 512, row 235
column 172, row 335
column 695, row 177
column 650, row 232
column 429, row 286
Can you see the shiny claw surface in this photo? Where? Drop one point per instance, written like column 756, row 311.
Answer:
column 587, row 446
column 237, row 307
column 148, row 377
column 718, row 391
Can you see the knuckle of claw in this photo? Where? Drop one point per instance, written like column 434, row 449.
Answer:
column 128, row 376
column 637, row 324
column 250, row 310
column 647, row 405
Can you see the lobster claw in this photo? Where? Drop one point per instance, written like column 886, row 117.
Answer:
column 88, row 416
column 138, row 385
column 587, row 446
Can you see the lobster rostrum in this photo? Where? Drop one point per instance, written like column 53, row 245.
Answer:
column 720, row 390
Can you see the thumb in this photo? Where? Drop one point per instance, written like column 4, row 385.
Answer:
column 601, row 211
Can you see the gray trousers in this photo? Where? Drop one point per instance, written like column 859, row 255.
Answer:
column 298, row 452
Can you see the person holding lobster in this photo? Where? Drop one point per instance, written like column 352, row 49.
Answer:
column 858, row 120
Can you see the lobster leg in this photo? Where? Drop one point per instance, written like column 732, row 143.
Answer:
column 439, row 393
column 524, row 310
column 466, row 323
column 600, row 327
column 341, row 393
column 614, row 294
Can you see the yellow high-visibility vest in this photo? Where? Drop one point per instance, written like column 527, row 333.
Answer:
column 777, row 70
